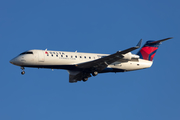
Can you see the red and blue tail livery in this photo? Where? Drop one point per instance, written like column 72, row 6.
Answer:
column 149, row 50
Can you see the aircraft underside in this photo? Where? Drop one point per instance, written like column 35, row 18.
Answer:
column 74, row 68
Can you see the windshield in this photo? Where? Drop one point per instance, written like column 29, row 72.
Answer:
column 28, row 52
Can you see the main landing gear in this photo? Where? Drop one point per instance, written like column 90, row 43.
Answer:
column 95, row 73
column 85, row 79
column 87, row 75
column 23, row 72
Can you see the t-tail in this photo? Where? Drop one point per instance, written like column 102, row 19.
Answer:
column 149, row 50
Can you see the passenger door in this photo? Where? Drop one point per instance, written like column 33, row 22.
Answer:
column 41, row 55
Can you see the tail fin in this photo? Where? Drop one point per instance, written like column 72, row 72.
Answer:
column 149, row 50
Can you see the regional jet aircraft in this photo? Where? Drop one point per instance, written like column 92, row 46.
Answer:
column 81, row 66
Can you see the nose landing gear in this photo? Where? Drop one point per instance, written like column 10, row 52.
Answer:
column 23, row 72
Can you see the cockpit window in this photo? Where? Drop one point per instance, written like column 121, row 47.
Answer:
column 26, row 53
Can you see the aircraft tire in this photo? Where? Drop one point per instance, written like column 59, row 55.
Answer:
column 95, row 73
column 85, row 79
column 23, row 72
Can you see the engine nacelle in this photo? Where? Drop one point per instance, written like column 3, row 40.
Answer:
column 128, row 56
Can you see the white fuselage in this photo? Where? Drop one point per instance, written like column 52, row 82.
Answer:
column 68, row 60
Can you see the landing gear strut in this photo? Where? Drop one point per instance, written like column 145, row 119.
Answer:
column 23, row 72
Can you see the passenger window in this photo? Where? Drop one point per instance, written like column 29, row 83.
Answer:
column 80, row 57
column 52, row 55
column 71, row 56
column 66, row 55
column 56, row 55
column 61, row 55
column 75, row 56
column 53, row 52
column 47, row 54
column 89, row 57
column 85, row 57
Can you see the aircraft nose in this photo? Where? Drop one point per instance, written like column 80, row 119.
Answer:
column 12, row 61
column 19, row 61
column 15, row 61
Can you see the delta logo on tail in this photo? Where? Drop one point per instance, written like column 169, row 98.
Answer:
column 149, row 50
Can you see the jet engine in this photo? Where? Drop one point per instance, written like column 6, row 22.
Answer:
column 130, row 56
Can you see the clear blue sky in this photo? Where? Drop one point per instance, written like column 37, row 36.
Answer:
column 97, row 26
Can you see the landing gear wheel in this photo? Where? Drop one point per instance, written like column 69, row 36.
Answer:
column 23, row 72
column 85, row 79
column 94, row 73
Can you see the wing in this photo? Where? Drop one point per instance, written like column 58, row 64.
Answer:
column 97, row 65
column 102, row 63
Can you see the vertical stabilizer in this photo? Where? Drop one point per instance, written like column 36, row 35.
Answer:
column 150, row 48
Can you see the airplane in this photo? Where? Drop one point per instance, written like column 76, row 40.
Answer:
column 81, row 66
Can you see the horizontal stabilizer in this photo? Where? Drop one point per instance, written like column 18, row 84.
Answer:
column 155, row 42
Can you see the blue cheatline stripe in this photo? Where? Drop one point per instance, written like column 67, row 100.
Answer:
column 152, row 54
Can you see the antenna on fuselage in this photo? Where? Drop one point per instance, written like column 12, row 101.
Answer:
column 76, row 51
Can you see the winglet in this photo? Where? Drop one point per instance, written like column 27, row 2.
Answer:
column 139, row 44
